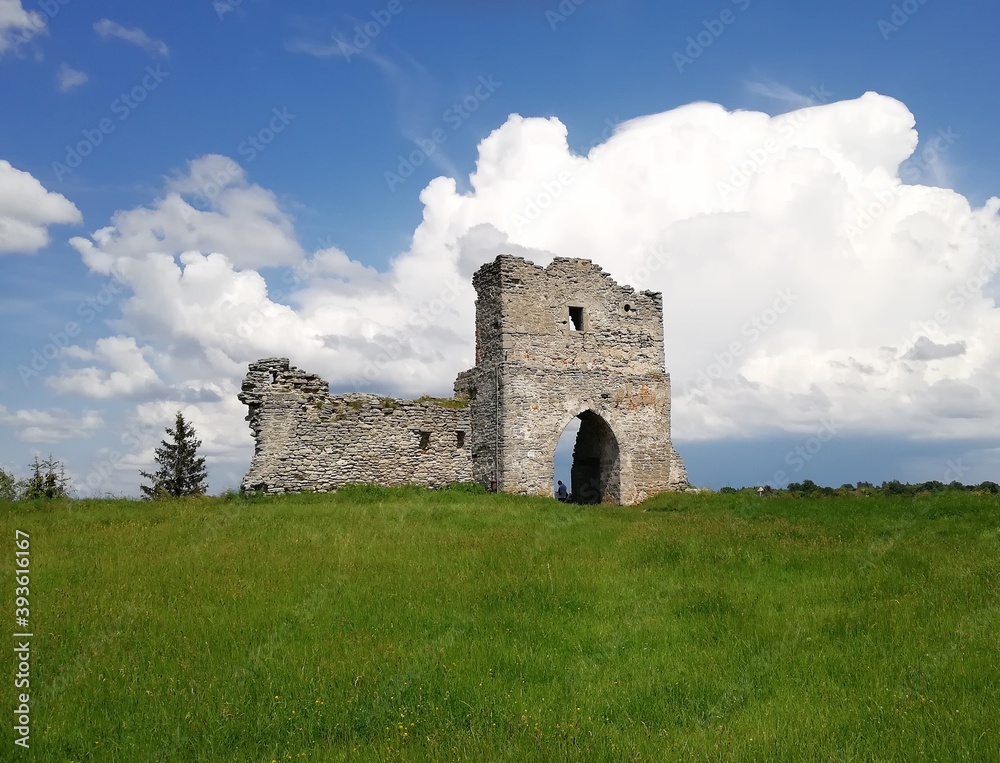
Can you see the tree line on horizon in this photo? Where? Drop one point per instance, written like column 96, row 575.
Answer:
column 808, row 488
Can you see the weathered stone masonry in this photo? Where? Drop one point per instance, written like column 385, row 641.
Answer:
column 552, row 344
column 307, row 440
column 561, row 342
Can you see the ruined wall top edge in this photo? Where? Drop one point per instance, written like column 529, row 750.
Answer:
column 276, row 375
column 511, row 265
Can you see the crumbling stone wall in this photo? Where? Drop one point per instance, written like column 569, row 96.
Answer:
column 552, row 344
column 308, row 440
column 561, row 342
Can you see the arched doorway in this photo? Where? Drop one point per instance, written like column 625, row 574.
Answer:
column 595, row 468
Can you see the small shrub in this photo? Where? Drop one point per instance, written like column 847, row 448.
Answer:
column 8, row 486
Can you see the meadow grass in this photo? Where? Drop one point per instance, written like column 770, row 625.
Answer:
column 378, row 625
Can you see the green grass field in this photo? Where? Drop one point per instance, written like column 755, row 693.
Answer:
column 379, row 625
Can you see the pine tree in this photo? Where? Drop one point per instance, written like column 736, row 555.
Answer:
column 180, row 471
column 48, row 480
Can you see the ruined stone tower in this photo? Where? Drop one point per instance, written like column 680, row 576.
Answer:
column 552, row 344
column 565, row 342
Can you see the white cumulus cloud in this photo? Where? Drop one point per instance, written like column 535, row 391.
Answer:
column 803, row 280
column 27, row 209
column 18, row 25
column 129, row 373
column 50, row 426
column 209, row 208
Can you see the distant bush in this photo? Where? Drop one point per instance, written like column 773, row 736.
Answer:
column 8, row 486
column 809, row 489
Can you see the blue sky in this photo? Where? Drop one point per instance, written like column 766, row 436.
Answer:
column 308, row 109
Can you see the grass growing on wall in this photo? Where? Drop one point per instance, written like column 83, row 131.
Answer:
column 454, row 403
column 378, row 624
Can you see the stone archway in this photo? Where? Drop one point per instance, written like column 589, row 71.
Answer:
column 595, row 476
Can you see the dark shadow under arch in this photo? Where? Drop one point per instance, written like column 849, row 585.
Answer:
column 595, row 476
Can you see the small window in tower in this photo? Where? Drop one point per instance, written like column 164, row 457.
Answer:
column 576, row 319
column 628, row 308
column 460, row 437
column 425, row 440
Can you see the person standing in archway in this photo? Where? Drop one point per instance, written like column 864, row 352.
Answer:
column 561, row 493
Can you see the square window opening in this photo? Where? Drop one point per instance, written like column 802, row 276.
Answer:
column 460, row 438
column 576, row 318
column 425, row 440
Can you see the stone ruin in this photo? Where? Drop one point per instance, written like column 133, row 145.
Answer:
column 552, row 344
